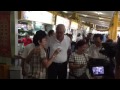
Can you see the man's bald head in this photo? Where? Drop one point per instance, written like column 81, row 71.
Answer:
column 60, row 27
column 60, row 30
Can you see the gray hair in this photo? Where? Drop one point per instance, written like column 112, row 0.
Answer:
column 59, row 25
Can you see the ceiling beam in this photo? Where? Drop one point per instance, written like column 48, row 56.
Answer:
column 95, row 15
column 96, row 19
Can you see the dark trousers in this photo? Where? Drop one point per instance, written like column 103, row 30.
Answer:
column 57, row 70
column 83, row 76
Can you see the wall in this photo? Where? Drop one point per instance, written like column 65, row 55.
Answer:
column 13, row 37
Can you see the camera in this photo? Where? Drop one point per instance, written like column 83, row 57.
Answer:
column 98, row 67
column 102, row 67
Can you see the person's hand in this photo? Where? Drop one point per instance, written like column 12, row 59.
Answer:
column 56, row 52
column 80, row 65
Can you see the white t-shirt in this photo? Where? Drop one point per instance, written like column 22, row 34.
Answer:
column 25, row 53
column 64, row 46
column 93, row 52
column 27, row 50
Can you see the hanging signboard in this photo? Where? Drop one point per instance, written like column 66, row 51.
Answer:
column 74, row 25
column 39, row 16
column 62, row 20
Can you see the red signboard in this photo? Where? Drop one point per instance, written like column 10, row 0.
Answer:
column 5, row 48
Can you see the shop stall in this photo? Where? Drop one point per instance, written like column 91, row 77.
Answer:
column 43, row 17
column 32, row 21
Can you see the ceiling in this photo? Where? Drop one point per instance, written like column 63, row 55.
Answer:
column 101, row 18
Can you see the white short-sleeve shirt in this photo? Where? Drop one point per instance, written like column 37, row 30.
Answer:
column 25, row 53
column 64, row 46
column 93, row 52
column 27, row 50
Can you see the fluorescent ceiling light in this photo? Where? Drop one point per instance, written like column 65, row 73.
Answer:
column 84, row 15
column 101, row 21
column 83, row 21
column 101, row 18
column 65, row 11
column 99, row 13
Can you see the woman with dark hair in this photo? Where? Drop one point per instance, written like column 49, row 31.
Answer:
column 38, row 59
column 78, row 61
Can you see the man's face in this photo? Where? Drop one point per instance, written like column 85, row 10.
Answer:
column 60, row 32
column 97, row 40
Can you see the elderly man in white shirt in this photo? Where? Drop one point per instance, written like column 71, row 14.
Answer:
column 58, row 68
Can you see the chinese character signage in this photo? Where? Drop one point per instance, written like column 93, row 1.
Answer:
column 5, row 48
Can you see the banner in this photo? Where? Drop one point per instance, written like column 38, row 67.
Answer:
column 5, row 48
column 74, row 25
column 39, row 16
column 62, row 20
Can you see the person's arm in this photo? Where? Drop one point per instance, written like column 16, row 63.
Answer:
column 69, row 51
column 47, row 62
column 17, row 57
column 69, row 48
column 76, row 66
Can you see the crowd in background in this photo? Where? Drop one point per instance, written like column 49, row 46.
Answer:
column 49, row 55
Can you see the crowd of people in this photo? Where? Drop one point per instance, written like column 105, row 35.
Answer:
column 49, row 55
